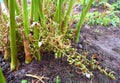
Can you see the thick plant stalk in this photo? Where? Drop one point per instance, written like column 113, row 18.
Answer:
column 58, row 18
column 58, row 14
column 13, row 48
column 36, row 30
column 25, row 18
column 28, row 57
column 59, row 11
column 64, row 27
column 36, row 19
column 82, row 17
column 17, row 10
column 41, row 13
column 2, row 78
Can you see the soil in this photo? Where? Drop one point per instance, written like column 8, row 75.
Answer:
column 49, row 68
column 105, row 41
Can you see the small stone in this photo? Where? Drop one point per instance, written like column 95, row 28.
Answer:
column 3, row 63
column 7, row 65
column 80, row 46
column 87, row 26
column 23, row 71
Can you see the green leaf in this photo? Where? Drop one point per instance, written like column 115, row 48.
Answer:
column 24, row 81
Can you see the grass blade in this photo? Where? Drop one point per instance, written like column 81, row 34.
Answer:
column 2, row 78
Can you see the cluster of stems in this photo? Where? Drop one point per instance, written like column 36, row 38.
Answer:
column 61, row 16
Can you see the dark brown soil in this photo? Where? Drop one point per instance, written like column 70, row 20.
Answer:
column 50, row 68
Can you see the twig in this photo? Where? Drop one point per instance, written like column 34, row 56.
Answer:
column 37, row 77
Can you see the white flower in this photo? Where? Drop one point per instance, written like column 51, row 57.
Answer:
column 87, row 75
column 40, row 43
column 34, row 24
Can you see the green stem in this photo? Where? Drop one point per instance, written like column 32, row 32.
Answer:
column 28, row 57
column 25, row 18
column 13, row 36
column 2, row 78
column 64, row 27
column 42, row 17
column 59, row 15
column 36, row 19
column 82, row 17
column 36, row 30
